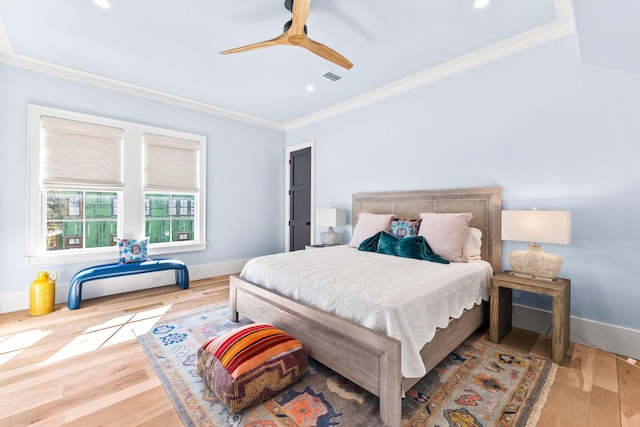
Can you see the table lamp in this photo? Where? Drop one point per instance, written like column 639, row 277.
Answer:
column 331, row 218
column 536, row 226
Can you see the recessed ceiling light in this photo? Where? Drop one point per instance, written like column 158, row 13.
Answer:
column 103, row 3
column 479, row 4
column 310, row 88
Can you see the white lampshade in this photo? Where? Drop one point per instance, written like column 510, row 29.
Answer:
column 536, row 226
column 331, row 217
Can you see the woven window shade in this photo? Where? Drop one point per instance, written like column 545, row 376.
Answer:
column 170, row 163
column 80, row 155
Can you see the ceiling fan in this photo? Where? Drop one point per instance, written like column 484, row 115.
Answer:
column 295, row 34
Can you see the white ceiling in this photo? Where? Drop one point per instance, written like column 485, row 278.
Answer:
column 169, row 49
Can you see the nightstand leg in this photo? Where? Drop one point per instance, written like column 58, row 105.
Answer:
column 561, row 326
column 501, row 312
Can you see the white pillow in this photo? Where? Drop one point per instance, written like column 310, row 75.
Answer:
column 473, row 245
column 368, row 225
column 446, row 233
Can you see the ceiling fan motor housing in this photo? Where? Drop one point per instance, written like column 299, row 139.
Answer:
column 288, row 24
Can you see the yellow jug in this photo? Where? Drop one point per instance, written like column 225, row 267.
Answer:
column 42, row 293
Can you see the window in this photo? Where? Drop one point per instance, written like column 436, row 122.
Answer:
column 69, row 225
column 167, row 219
column 93, row 180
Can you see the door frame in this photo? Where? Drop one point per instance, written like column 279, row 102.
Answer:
column 287, row 183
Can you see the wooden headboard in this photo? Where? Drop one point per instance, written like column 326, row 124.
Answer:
column 484, row 203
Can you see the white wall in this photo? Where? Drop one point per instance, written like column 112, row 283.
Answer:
column 244, row 178
column 554, row 132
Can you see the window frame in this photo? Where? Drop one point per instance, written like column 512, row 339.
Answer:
column 131, row 223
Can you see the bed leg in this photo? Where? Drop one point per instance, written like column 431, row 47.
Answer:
column 233, row 303
column 391, row 388
column 389, row 407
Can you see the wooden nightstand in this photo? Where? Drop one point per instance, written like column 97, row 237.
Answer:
column 560, row 291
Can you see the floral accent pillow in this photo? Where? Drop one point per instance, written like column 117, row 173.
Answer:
column 132, row 250
column 402, row 228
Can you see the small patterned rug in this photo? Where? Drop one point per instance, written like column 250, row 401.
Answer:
column 479, row 384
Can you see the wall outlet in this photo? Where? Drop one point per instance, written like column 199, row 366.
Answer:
column 156, row 279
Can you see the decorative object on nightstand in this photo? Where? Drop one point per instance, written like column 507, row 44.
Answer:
column 536, row 226
column 331, row 218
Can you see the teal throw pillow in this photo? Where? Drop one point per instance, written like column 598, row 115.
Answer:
column 408, row 247
column 370, row 244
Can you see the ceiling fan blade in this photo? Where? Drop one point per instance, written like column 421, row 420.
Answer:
column 325, row 52
column 299, row 16
column 259, row 45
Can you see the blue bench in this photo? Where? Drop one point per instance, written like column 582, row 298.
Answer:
column 107, row 271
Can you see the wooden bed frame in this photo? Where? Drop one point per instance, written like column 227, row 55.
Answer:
column 366, row 357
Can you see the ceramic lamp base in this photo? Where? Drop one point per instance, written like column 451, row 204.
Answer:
column 535, row 263
column 330, row 237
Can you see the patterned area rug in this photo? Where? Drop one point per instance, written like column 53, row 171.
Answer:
column 479, row 384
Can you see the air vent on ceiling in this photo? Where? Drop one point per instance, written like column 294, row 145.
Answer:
column 330, row 75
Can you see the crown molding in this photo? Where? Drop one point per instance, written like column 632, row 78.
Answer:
column 8, row 56
column 128, row 88
column 561, row 27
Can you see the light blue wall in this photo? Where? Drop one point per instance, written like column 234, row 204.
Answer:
column 245, row 170
column 553, row 132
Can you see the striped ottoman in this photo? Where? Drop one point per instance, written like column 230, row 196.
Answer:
column 250, row 364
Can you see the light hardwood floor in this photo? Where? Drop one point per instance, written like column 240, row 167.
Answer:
column 86, row 368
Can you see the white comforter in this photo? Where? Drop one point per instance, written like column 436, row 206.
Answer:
column 404, row 298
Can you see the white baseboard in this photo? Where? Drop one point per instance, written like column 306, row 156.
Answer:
column 19, row 300
column 611, row 338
